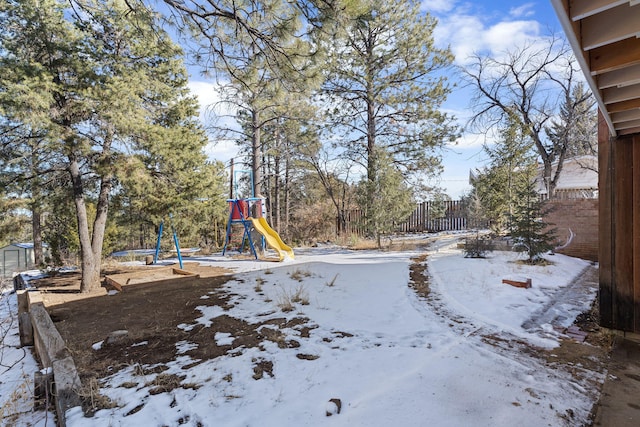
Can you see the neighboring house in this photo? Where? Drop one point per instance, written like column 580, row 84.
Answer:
column 17, row 257
column 578, row 179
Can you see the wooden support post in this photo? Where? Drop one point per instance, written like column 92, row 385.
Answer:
column 605, row 223
column 26, row 329
column 42, row 389
column 113, row 282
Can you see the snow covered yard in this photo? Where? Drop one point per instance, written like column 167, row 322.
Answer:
column 364, row 349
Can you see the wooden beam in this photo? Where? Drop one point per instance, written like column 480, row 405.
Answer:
column 620, row 78
column 181, row 272
column 605, row 235
column 616, row 94
column 518, row 284
column 616, row 56
column 630, row 131
column 113, row 282
column 618, row 107
column 631, row 124
column 581, row 9
column 610, row 26
column 626, row 116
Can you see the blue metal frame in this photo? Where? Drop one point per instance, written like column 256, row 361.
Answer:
column 235, row 206
column 160, row 229
column 175, row 241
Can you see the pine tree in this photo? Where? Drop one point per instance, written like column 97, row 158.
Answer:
column 576, row 127
column 531, row 234
column 383, row 92
column 106, row 87
column 388, row 191
column 509, row 161
column 12, row 221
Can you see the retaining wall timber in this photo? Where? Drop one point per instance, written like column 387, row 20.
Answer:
column 51, row 350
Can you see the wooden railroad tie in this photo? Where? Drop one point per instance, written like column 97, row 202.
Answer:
column 517, row 284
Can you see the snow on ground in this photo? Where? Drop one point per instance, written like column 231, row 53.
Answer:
column 389, row 356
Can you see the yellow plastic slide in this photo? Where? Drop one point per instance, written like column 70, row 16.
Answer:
column 273, row 239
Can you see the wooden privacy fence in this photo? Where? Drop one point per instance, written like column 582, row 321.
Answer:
column 351, row 223
column 449, row 215
column 436, row 216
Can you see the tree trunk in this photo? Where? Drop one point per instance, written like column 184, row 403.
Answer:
column 99, row 224
column 102, row 207
column 89, row 280
column 372, row 160
column 276, row 185
column 548, row 182
column 36, row 213
column 256, row 154
column 372, row 171
column 287, row 206
column 556, row 176
column 37, row 235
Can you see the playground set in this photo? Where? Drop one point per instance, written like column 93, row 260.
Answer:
column 249, row 215
column 246, row 214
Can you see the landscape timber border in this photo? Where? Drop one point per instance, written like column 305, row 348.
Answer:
column 37, row 329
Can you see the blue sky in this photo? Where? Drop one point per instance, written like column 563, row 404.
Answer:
column 467, row 27
column 486, row 27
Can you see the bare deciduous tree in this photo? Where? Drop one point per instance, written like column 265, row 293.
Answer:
column 535, row 84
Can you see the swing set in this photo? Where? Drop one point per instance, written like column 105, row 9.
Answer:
column 176, row 241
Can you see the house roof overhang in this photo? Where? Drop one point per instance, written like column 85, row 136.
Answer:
column 605, row 37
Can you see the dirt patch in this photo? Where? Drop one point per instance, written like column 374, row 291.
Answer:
column 418, row 276
column 150, row 324
column 150, row 315
column 62, row 287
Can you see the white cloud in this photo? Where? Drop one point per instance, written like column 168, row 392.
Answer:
column 467, row 32
column 211, row 103
column 211, row 108
column 469, row 140
column 503, row 36
column 460, row 33
column 208, row 94
column 524, row 10
column 222, row 150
